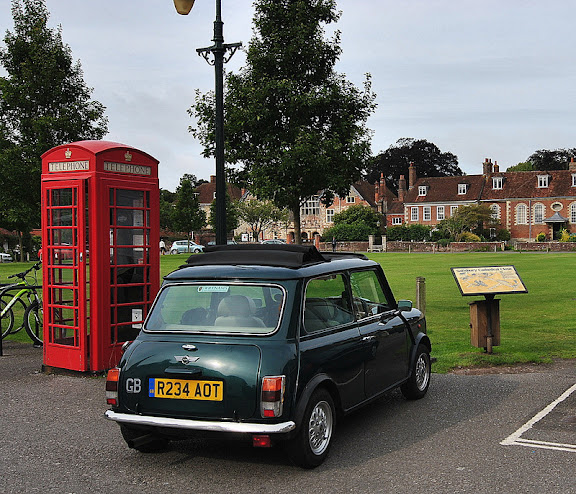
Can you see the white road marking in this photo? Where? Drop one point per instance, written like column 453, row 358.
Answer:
column 517, row 440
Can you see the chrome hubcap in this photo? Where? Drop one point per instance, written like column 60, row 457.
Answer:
column 422, row 373
column 320, row 428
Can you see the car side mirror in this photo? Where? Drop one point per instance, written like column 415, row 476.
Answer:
column 404, row 305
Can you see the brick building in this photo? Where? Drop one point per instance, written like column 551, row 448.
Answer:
column 525, row 203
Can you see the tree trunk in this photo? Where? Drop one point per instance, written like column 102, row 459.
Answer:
column 297, row 235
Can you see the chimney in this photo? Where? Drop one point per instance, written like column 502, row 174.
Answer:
column 496, row 167
column 212, row 179
column 572, row 165
column 487, row 167
column 376, row 192
column 401, row 188
column 411, row 175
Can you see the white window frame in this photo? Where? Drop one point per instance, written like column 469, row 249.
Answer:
column 462, row 189
column 539, row 212
column 311, row 207
column 396, row 220
column 574, row 180
column 440, row 213
column 453, row 210
column 495, row 211
column 521, row 211
column 427, row 213
column 329, row 216
column 422, row 190
column 573, row 212
column 350, row 199
column 414, row 213
column 497, row 183
column 543, row 181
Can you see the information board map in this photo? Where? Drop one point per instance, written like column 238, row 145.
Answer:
column 488, row 280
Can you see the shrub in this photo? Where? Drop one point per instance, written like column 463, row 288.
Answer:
column 469, row 237
column 541, row 237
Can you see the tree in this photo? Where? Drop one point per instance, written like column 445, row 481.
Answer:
column 44, row 102
column 354, row 223
column 292, row 122
column 526, row 166
column 232, row 218
column 186, row 213
column 545, row 159
column 261, row 215
column 426, row 156
column 467, row 219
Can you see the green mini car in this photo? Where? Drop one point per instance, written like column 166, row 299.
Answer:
column 271, row 343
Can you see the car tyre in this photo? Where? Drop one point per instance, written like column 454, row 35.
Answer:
column 417, row 386
column 173, row 251
column 142, row 441
column 310, row 447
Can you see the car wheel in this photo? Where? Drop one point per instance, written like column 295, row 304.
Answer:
column 142, row 441
column 310, row 446
column 196, row 251
column 417, row 386
column 173, row 251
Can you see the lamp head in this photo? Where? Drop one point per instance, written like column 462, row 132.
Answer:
column 183, row 6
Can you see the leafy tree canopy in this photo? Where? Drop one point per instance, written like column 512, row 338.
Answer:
column 526, row 166
column 426, row 156
column 473, row 217
column 186, row 214
column 558, row 159
column 44, row 102
column 232, row 214
column 354, row 223
column 261, row 215
column 293, row 123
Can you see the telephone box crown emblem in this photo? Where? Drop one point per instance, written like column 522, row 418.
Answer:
column 128, row 156
column 68, row 153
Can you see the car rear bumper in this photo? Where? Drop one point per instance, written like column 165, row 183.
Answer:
column 201, row 425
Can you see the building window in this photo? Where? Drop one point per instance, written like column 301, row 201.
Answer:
column 521, row 218
column 414, row 214
column 427, row 213
column 329, row 216
column 574, row 180
column 311, row 207
column 495, row 211
column 453, row 210
column 422, row 189
column 539, row 213
column 397, row 220
column 462, row 189
column 543, row 181
column 497, row 183
column 440, row 213
column 573, row 212
column 350, row 200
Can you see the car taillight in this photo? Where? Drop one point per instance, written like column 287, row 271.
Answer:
column 112, row 386
column 272, row 396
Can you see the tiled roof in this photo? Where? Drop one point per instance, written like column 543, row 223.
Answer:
column 525, row 185
column 206, row 192
column 445, row 189
column 366, row 190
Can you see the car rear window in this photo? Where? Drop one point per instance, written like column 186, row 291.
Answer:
column 223, row 308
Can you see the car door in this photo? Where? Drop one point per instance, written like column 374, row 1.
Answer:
column 383, row 333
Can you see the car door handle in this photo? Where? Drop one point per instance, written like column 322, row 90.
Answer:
column 369, row 338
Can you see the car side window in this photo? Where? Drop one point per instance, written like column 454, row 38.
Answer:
column 368, row 298
column 326, row 303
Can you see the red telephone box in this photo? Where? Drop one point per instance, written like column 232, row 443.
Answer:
column 100, row 252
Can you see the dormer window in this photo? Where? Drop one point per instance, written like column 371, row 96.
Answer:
column 422, row 190
column 543, row 181
column 462, row 189
column 497, row 183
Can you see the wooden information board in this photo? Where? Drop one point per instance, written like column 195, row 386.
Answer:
column 488, row 280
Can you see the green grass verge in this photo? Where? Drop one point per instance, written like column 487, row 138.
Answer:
column 536, row 327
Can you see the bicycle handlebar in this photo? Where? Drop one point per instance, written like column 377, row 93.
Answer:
column 23, row 274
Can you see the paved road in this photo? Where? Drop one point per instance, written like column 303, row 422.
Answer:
column 54, row 439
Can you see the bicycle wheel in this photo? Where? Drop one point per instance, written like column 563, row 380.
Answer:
column 6, row 319
column 17, row 309
column 34, row 322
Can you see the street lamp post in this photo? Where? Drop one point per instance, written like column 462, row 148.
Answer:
column 218, row 50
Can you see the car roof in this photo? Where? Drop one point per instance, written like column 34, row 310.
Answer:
column 266, row 261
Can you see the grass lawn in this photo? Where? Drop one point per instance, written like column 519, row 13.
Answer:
column 535, row 327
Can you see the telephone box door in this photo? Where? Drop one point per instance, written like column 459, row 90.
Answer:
column 65, row 257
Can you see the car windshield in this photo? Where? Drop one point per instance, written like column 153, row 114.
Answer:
column 223, row 308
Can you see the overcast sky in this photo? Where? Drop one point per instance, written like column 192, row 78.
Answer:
column 492, row 79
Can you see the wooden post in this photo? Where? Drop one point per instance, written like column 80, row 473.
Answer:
column 421, row 294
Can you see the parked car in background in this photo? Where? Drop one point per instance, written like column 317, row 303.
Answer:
column 270, row 343
column 183, row 246
column 229, row 242
column 274, row 241
column 5, row 257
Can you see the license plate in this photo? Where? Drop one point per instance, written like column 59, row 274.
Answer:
column 185, row 389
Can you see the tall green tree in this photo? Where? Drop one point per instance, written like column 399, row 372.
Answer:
column 232, row 214
column 186, row 213
column 557, row 159
column 44, row 102
column 428, row 159
column 295, row 125
column 261, row 215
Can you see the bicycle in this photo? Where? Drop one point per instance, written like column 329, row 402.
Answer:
column 28, row 296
